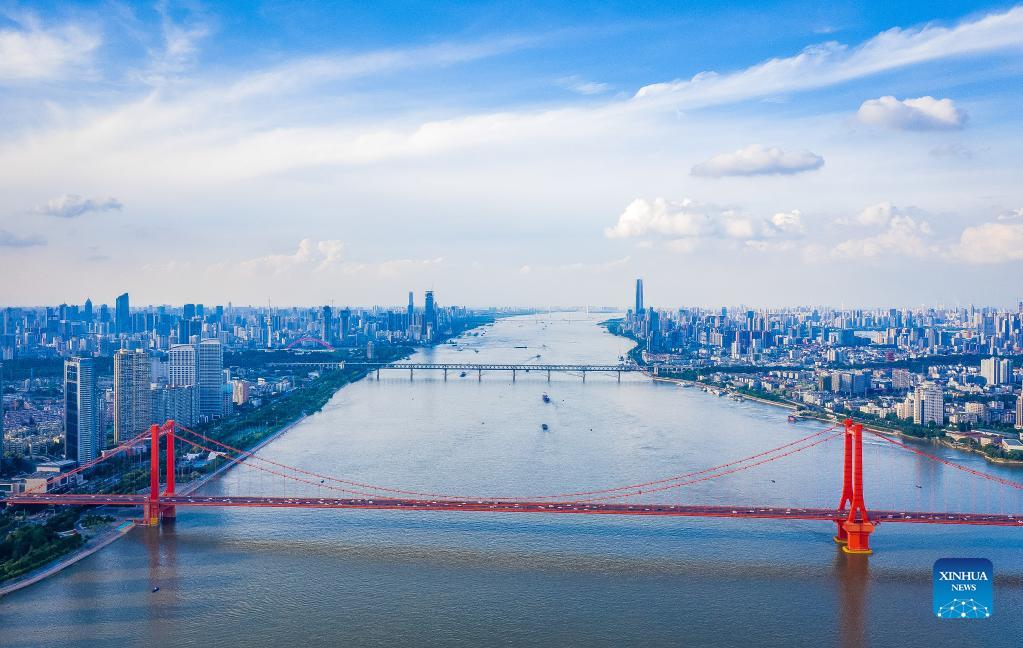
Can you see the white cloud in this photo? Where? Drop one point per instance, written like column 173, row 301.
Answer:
column 684, row 225
column 582, row 86
column 310, row 255
column 30, row 51
column 990, row 243
column 1012, row 214
column 903, row 233
column 788, row 222
column 922, row 113
column 758, row 160
column 73, row 205
column 9, row 240
column 830, row 63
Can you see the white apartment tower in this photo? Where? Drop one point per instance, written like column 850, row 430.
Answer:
column 929, row 404
column 132, row 377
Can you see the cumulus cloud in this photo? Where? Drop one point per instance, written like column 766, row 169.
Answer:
column 758, row 160
column 72, row 206
column 310, row 255
column 30, row 51
column 922, row 113
column 903, row 232
column 9, row 240
column 683, row 225
column 990, row 243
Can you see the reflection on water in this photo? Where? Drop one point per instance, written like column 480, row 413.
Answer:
column 366, row 578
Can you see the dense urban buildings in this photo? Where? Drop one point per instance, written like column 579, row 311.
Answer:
column 939, row 369
column 125, row 368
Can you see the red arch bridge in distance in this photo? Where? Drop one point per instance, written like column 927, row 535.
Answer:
column 853, row 521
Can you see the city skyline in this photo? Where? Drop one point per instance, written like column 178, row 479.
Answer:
column 857, row 153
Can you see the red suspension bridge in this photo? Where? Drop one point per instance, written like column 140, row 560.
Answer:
column 854, row 522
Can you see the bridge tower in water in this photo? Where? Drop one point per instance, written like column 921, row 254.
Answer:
column 854, row 525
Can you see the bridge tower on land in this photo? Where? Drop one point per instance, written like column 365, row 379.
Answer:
column 854, row 527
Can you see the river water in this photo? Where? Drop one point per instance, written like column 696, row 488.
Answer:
column 276, row 578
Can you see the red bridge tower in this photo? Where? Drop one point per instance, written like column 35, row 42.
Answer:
column 854, row 526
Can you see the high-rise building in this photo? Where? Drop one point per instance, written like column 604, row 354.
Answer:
column 200, row 366
column 345, row 323
column 182, row 365
column 429, row 317
column 996, row 371
column 929, row 404
column 1019, row 412
column 211, row 378
column 327, row 326
column 410, row 314
column 639, row 297
column 176, row 404
column 82, row 435
column 132, row 377
column 122, row 315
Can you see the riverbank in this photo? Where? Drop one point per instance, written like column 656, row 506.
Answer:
column 248, row 443
column 825, row 416
column 92, row 545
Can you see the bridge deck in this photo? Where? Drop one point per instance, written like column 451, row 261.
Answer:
column 499, row 506
column 455, row 366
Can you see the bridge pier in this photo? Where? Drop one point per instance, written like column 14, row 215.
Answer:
column 378, row 373
column 168, row 513
column 513, row 375
column 584, row 375
column 410, row 373
column 445, row 375
column 619, row 376
column 479, row 375
column 548, row 375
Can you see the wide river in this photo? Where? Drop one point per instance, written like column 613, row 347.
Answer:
column 275, row 578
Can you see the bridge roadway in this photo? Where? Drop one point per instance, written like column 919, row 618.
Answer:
column 510, row 506
column 468, row 367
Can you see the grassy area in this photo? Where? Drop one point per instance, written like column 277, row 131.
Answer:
column 28, row 546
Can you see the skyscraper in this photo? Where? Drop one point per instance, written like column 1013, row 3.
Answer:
column 1019, row 412
column 410, row 314
column 82, row 436
column 182, row 366
column 327, row 326
column 122, row 315
column 211, row 378
column 132, row 377
column 639, row 297
column 429, row 316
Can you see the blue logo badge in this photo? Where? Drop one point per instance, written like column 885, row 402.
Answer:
column 963, row 588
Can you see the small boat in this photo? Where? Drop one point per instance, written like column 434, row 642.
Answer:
column 793, row 418
column 546, row 398
column 544, row 427
column 521, row 347
column 156, row 589
column 461, row 375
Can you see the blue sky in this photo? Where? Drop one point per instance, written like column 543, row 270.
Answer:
column 762, row 153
